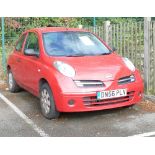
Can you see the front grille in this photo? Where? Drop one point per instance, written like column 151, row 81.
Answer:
column 93, row 101
column 89, row 83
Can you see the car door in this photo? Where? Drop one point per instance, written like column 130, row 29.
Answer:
column 31, row 64
column 16, row 65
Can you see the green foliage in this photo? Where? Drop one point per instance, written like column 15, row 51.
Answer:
column 14, row 26
column 117, row 20
column 88, row 21
column 0, row 50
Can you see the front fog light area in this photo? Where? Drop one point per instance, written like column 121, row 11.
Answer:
column 71, row 102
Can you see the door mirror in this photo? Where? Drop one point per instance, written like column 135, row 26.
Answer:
column 31, row 52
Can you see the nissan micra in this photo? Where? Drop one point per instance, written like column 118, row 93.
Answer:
column 72, row 70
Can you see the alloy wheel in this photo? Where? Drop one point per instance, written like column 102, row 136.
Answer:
column 45, row 101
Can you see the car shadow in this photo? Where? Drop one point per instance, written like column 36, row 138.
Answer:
column 115, row 111
column 26, row 96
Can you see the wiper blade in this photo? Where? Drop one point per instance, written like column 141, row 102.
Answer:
column 76, row 55
column 105, row 53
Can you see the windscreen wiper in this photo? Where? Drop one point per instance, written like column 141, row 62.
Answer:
column 76, row 55
column 105, row 53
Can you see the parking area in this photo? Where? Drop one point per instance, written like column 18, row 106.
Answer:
column 20, row 116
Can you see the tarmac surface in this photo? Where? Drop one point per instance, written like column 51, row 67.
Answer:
column 121, row 122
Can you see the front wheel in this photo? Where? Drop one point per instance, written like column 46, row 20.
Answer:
column 47, row 103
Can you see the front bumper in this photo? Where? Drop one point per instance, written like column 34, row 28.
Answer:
column 81, row 101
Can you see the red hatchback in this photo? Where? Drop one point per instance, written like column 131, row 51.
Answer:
column 72, row 70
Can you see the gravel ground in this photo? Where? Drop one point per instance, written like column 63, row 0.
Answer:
column 147, row 105
column 3, row 84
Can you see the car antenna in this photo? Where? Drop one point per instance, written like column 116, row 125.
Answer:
column 50, row 25
column 65, row 23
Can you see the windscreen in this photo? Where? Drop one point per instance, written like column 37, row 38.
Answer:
column 73, row 44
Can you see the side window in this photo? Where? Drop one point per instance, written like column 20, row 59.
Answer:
column 20, row 43
column 32, row 42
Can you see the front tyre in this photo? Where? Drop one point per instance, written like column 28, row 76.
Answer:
column 47, row 103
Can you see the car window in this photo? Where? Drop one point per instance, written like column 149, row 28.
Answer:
column 20, row 43
column 32, row 42
column 70, row 43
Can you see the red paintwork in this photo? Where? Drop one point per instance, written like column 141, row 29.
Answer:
column 87, row 68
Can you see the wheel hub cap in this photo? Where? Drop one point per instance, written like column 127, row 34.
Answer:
column 45, row 101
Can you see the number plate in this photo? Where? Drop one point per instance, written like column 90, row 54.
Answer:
column 111, row 94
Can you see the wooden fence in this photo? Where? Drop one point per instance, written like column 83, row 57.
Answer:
column 127, row 38
column 150, row 58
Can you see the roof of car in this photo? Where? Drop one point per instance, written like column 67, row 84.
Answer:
column 55, row 29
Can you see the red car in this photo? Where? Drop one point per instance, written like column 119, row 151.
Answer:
column 72, row 70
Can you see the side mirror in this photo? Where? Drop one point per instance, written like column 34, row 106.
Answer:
column 31, row 52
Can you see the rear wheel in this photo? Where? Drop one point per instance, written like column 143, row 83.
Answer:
column 47, row 103
column 12, row 84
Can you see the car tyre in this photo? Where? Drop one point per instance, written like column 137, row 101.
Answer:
column 47, row 103
column 12, row 84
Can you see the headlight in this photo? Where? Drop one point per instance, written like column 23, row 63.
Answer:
column 129, row 64
column 64, row 68
column 127, row 79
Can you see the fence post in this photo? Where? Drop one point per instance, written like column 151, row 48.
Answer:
column 3, row 46
column 106, row 31
column 147, row 21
